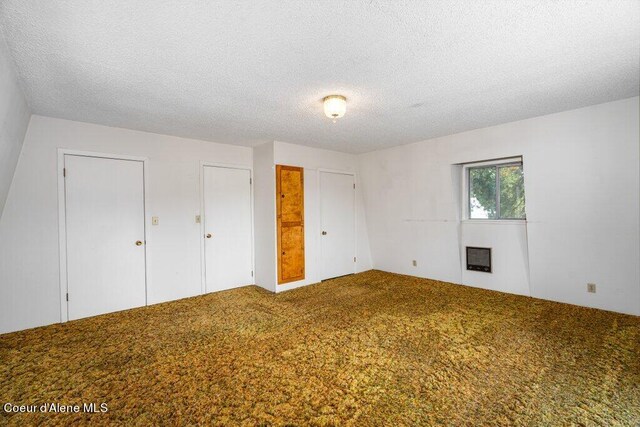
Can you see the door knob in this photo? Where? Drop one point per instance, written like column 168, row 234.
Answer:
column 324, row 233
column 138, row 243
column 208, row 235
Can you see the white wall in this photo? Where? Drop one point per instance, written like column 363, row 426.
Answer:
column 582, row 190
column 29, row 269
column 312, row 159
column 14, row 119
column 29, row 255
column 582, row 187
column 264, row 190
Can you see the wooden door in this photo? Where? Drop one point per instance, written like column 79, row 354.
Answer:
column 104, row 208
column 290, row 222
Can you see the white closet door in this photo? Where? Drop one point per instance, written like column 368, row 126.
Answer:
column 104, row 205
column 227, row 228
column 338, row 235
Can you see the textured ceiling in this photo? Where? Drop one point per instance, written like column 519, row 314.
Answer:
column 244, row 72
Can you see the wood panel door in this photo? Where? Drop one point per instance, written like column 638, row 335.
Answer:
column 105, row 234
column 290, row 222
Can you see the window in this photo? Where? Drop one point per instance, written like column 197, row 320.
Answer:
column 495, row 190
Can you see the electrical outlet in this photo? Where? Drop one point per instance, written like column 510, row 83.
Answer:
column 155, row 220
column 591, row 287
column 415, row 263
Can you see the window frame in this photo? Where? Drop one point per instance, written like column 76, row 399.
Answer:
column 466, row 183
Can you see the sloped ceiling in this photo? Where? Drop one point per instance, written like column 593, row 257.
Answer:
column 14, row 119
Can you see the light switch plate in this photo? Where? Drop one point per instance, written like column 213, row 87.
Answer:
column 197, row 219
column 155, row 220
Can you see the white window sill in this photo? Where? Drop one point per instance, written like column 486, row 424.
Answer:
column 495, row 221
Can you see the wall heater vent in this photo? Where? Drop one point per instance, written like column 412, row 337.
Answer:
column 479, row 259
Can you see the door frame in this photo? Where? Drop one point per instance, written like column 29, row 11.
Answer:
column 62, row 221
column 355, row 215
column 203, row 270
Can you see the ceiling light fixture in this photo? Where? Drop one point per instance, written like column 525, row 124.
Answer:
column 335, row 106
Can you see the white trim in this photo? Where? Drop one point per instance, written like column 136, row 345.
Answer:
column 100, row 155
column 495, row 221
column 62, row 221
column 355, row 216
column 62, row 238
column 501, row 161
column 203, row 274
column 337, row 171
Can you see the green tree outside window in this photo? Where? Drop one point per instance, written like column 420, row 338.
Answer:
column 496, row 192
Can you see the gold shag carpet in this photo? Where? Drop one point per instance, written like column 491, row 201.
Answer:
column 371, row 349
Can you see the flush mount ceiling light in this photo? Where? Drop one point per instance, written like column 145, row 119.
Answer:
column 335, row 106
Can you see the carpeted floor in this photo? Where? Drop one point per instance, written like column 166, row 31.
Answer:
column 370, row 349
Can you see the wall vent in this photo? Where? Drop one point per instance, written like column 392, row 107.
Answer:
column 479, row 259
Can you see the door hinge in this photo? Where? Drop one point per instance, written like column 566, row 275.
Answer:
column 67, row 296
column 64, row 172
column 250, row 181
column 251, row 273
column 354, row 259
column 354, row 186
